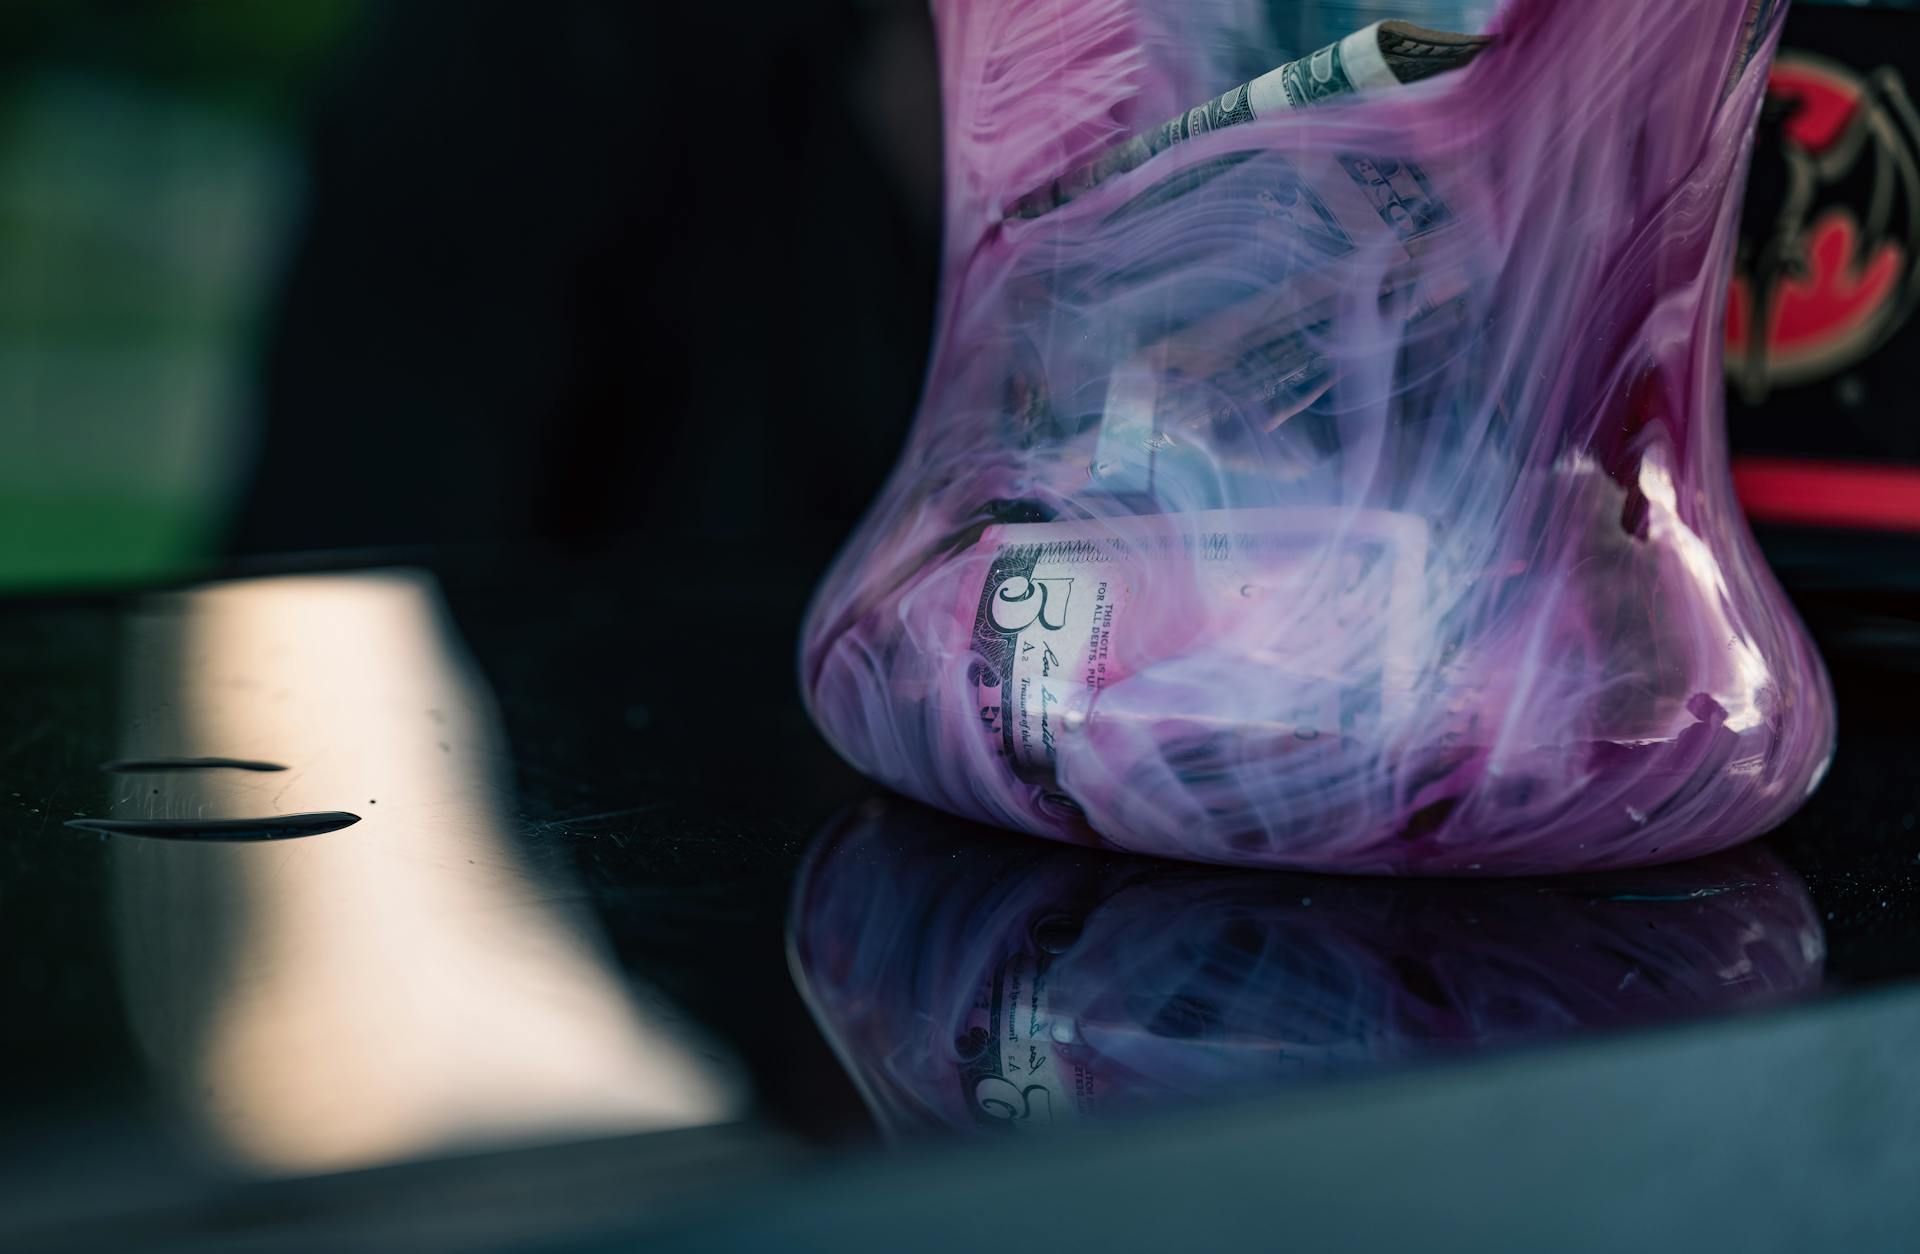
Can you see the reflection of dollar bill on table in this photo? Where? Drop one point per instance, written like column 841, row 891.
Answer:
column 1015, row 1070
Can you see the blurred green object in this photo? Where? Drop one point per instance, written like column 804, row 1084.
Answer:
column 149, row 170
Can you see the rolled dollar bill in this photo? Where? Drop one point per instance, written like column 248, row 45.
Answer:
column 1373, row 58
column 1061, row 613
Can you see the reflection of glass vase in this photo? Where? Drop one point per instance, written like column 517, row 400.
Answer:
column 975, row 982
column 1340, row 488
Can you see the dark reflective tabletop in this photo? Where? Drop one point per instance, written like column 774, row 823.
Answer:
column 327, row 892
column 973, row 986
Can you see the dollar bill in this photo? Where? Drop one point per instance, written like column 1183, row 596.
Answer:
column 1056, row 619
column 1347, row 68
column 1416, row 52
column 1376, row 57
column 1170, row 407
column 1400, row 192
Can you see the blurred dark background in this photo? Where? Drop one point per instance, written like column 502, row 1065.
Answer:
column 578, row 270
column 334, row 274
column 331, row 275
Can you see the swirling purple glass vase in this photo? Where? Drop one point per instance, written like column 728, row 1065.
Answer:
column 1332, row 477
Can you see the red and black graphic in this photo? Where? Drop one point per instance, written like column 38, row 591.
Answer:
column 1828, row 267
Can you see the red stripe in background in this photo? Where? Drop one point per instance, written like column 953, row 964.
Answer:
column 1829, row 494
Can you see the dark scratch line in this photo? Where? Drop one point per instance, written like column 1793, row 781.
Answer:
column 134, row 765
column 273, row 827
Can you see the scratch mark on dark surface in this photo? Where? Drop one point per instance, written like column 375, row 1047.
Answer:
column 576, row 820
column 272, row 827
column 132, row 765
